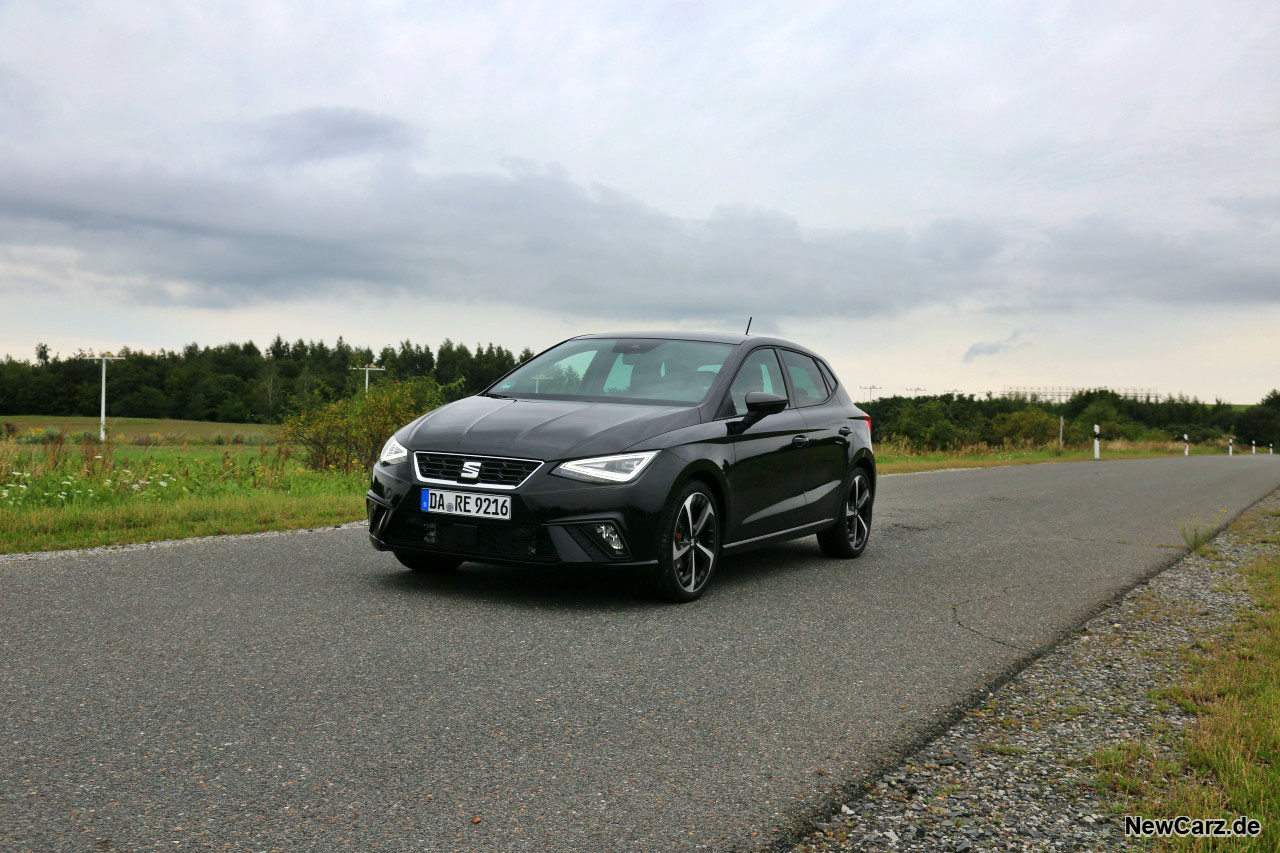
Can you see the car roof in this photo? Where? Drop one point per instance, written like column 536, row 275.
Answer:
column 710, row 337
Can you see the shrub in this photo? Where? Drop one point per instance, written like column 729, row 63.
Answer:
column 347, row 434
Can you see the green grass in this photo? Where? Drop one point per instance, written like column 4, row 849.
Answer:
column 152, row 430
column 72, row 496
column 49, row 529
column 1227, row 763
column 889, row 460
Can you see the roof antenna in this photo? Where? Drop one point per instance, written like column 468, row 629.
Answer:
column 748, row 331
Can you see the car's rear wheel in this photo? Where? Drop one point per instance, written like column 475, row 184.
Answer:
column 426, row 562
column 848, row 536
column 688, row 544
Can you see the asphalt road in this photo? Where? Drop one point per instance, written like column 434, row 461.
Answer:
column 303, row 691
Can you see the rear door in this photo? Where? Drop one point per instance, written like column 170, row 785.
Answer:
column 827, row 449
column 767, row 478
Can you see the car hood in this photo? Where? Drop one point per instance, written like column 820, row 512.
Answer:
column 542, row 429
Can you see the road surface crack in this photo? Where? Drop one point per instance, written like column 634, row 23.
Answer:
column 1003, row 593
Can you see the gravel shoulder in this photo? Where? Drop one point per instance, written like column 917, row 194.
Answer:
column 1016, row 772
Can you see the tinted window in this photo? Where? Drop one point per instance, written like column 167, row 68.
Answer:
column 760, row 372
column 828, row 375
column 807, row 386
column 628, row 370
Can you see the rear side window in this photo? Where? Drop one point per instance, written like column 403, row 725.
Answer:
column 828, row 375
column 807, row 385
column 760, row 372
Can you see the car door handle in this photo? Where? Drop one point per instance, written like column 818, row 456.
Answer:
column 846, row 430
column 800, row 440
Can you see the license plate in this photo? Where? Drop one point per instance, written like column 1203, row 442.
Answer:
column 466, row 503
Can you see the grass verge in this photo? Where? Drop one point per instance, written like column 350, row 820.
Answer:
column 1227, row 762
column 57, row 528
column 893, row 463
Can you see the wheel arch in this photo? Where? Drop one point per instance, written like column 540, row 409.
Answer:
column 714, row 480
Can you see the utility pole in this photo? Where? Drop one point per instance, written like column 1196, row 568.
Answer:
column 366, row 370
column 914, row 392
column 102, row 418
column 1062, row 423
column 869, row 389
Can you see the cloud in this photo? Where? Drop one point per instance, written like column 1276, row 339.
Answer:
column 534, row 237
column 984, row 348
column 323, row 133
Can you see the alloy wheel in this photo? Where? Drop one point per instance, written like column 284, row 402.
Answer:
column 857, row 511
column 693, row 542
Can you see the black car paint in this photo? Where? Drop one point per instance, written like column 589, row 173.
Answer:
column 783, row 476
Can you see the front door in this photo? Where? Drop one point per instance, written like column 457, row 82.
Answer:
column 767, row 477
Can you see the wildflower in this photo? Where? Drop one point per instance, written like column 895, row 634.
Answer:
column 136, row 487
column 108, row 482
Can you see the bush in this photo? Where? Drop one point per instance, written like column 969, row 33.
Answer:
column 348, row 434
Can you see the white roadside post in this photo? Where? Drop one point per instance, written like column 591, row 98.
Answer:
column 1271, row 450
column 102, row 417
column 1253, row 448
column 1186, row 445
column 1231, row 447
column 1097, row 442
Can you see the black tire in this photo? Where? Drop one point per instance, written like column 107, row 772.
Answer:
column 688, row 544
column 426, row 562
column 848, row 537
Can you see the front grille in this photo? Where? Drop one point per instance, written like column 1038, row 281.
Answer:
column 472, row 536
column 494, row 471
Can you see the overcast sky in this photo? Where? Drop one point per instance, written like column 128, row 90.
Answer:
column 966, row 196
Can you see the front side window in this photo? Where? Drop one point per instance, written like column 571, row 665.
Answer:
column 625, row 370
column 759, row 372
column 807, row 385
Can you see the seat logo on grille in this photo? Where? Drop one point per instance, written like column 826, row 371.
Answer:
column 470, row 470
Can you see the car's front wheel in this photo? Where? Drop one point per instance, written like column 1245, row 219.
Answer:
column 848, row 536
column 426, row 562
column 688, row 544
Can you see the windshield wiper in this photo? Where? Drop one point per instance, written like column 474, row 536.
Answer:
column 497, row 396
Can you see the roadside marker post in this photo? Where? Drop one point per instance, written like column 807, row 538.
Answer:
column 1254, row 448
column 1186, row 445
column 102, row 418
column 1097, row 442
column 1231, row 447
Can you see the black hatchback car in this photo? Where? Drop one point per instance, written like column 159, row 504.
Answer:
column 660, row 450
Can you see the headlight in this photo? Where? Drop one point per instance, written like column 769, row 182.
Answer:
column 393, row 451
column 606, row 469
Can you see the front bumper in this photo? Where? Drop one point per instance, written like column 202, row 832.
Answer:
column 551, row 518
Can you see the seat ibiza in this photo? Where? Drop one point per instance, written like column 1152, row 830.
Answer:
column 658, row 450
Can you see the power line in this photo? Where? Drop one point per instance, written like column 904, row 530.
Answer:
column 869, row 389
column 366, row 370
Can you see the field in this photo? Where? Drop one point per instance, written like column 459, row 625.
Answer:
column 147, row 430
column 894, row 458
column 61, row 495
column 169, row 479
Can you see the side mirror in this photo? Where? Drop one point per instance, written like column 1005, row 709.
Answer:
column 760, row 404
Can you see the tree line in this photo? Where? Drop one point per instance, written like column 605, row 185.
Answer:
column 236, row 382
column 947, row 420
column 240, row 383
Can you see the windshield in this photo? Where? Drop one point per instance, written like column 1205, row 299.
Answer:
column 630, row 370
